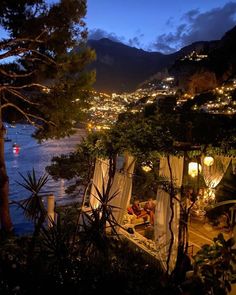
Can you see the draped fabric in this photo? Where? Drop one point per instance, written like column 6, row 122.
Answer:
column 234, row 166
column 100, row 178
column 122, row 188
column 163, row 212
column 213, row 174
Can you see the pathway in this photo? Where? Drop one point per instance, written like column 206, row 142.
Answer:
column 201, row 233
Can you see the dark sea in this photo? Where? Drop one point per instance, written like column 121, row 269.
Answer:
column 34, row 155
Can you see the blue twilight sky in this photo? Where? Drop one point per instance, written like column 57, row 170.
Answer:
column 160, row 25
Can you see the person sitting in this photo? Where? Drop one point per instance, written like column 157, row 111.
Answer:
column 138, row 211
column 149, row 207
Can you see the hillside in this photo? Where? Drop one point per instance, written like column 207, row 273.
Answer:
column 198, row 76
column 121, row 68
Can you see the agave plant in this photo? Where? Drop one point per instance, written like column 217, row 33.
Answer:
column 98, row 224
column 33, row 206
column 59, row 246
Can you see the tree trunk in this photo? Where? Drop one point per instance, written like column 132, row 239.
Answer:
column 172, row 195
column 6, row 224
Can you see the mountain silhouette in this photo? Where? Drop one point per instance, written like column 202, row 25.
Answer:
column 121, row 68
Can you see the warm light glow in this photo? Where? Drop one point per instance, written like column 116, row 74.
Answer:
column 194, row 168
column 208, row 161
column 209, row 195
column 147, row 166
column 46, row 89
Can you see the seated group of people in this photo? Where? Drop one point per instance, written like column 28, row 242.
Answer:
column 147, row 210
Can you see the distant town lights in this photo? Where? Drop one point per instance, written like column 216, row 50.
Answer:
column 170, row 79
column 46, row 89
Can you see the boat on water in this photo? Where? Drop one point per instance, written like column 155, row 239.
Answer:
column 7, row 139
column 16, row 148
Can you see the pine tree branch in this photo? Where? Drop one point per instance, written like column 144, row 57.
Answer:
column 28, row 116
column 28, row 86
column 14, row 75
column 44, row 57
column 33, row 59
column 13, row 52
column 7, row 43
column 42, row 119
column 21, row 96
column 17, row 51
column 19, row 110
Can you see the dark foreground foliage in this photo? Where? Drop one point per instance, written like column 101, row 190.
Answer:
column 124, row 271
column 82, row 252
column 61, row 263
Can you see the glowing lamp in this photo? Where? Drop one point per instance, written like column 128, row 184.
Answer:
column 194, row 168
column 208, row 161
column 147, row 166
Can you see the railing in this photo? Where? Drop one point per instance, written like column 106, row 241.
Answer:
column 232, row 210
column 190, row 250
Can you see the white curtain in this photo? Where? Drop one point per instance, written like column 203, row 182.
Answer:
column 100, row 178
column 122, row 187
column 234, row 165
column 163, row 212
column 213, row 174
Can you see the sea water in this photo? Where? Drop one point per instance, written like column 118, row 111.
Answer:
column 31, row 155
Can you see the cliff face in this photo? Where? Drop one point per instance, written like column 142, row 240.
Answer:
column 194, row 77
column 222, row 60
column 201, row 82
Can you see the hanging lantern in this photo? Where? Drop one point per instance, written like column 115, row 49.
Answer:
column 147, row 166
column 208, row 161
column 194, row 168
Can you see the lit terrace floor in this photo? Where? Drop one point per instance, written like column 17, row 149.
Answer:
column 200, row 233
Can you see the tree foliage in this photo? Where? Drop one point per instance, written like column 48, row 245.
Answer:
column 77, row 167
column 43, row 60
column 214, row 265
column 43, row 77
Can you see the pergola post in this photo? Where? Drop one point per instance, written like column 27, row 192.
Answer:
column 50, row 209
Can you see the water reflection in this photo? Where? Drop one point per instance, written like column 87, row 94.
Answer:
column 33, row 155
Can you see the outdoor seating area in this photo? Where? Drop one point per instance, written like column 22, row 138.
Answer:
column 144, row 218
column 145, row 221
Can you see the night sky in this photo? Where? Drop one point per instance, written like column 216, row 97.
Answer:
column 159, row 25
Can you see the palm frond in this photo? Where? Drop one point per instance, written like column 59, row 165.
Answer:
column 31, row 183
column 34, row 208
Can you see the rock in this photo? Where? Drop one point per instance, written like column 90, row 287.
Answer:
column 201, row 82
